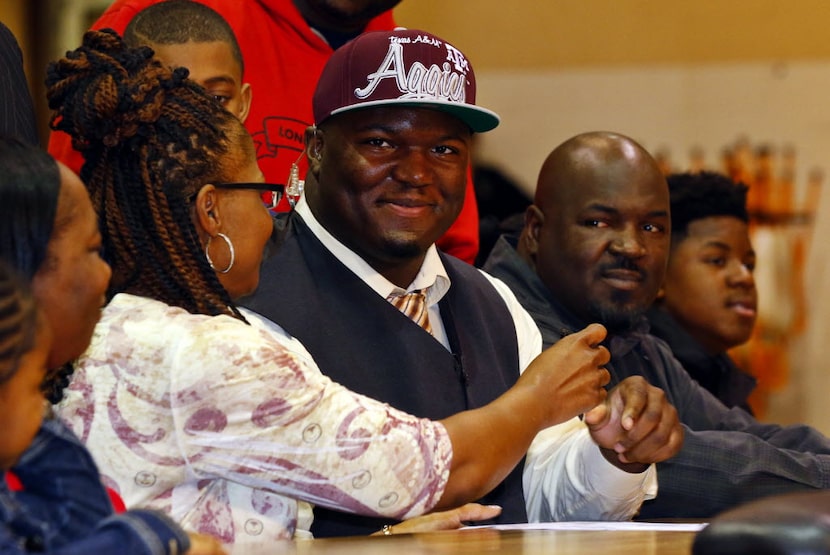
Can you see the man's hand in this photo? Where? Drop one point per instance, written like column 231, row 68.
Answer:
column 635, row 425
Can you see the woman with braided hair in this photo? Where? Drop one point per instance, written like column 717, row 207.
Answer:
column 150, row 140
column 205, row 409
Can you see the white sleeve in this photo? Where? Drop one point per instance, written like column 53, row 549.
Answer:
column 567, row 478
column 527, row 332
column 565, row 475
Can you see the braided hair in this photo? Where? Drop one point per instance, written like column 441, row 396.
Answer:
column 18, row 322
column 151, row 139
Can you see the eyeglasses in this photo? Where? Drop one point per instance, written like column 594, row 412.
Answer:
column 277, row 191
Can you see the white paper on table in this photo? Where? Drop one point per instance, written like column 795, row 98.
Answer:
column 603, row 525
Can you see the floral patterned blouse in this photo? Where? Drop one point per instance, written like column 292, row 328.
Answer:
column 232, row 429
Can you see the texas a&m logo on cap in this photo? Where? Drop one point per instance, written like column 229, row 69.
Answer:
column 404, row 67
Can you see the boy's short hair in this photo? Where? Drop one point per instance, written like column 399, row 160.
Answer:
column 179, row 22
column 695, row 196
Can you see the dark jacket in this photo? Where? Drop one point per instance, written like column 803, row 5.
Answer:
column 716, row 373
column 727, row 457
column 64, row 509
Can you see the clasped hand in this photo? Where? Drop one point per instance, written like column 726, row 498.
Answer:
column 635, row 425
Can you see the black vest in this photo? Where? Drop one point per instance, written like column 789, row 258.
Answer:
column 361, row 341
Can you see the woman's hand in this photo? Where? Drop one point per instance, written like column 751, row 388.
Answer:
column 201, row 544
column 444, row 520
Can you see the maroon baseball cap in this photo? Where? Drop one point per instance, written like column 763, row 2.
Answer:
column 404, row 67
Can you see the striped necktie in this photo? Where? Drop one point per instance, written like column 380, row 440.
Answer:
column 414, row 306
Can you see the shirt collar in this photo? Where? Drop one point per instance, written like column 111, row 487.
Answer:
column 432, row 275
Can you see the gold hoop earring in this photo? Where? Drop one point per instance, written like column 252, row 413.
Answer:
column 230, row 248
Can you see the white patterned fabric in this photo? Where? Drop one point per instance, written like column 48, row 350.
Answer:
column 226, row 426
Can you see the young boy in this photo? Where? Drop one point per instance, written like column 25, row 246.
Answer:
column 708, row 302
column 183, row 33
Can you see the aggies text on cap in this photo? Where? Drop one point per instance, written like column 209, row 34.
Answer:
column 405, row 67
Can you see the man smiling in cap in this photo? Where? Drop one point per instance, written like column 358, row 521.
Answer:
column 395, row 115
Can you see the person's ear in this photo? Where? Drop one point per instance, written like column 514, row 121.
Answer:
column 208, row 217
column 534, row 220
column 246, row 95
column 661, row 293
column 313, row 139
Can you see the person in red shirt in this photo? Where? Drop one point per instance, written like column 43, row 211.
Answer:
column 284, row 47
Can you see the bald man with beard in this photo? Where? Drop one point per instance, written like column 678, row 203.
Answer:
column 594, row 248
